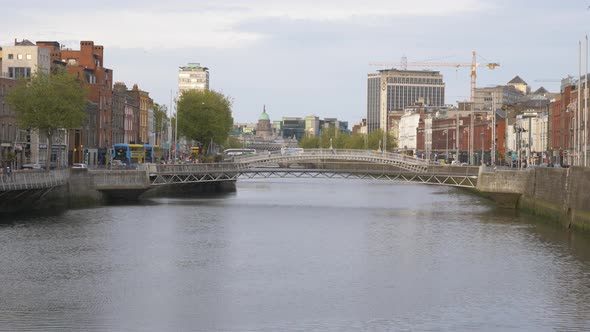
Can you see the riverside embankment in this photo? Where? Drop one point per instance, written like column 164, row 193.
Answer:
column 559, row 194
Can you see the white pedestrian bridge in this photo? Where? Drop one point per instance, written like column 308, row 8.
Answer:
column 318, row 163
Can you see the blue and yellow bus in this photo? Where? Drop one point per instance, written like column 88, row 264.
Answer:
column 148, row 153
column 130, row 153
column 122, row 152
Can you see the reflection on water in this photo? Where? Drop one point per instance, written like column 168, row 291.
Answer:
column 295, row 255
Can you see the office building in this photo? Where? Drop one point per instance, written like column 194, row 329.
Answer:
column 392, row 90
column 193, row 77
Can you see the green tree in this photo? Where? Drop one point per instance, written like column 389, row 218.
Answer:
column 204, row 116
column 310, row 142
column 48, row 102
column 233, row 143
column 160, row 119
column 376, row 137
column 355, row 141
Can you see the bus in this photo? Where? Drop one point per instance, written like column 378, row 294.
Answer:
column 238, row 152
column 122, row 152
column 148, row 155
column 292, row 151
column 137, row 152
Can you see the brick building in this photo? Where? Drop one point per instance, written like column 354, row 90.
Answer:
column 88, row 64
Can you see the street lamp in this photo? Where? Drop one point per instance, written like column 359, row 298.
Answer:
column 446, row 132
column 483, row 134
column 529, row 115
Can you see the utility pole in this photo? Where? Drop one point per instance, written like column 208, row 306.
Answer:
column 493, row 153
column 579, row 106
column 586, row 108
column 457, row 136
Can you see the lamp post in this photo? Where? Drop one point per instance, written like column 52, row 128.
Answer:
column 446, row 132
column 483, row 134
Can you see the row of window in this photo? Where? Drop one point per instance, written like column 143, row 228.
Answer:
column 20, row 56
column 19, row 72
column 414, row 80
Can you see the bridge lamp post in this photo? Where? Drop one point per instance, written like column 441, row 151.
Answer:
column 483, row 135
column 446, row 133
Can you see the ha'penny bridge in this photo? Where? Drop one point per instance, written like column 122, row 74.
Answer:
column 312, row 164
column 318, row 163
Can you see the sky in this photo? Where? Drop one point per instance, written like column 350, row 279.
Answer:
column 308, row 57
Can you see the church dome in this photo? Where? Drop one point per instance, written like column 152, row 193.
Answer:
column 263, row 116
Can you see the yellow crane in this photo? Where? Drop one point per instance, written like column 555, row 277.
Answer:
column 474, row 64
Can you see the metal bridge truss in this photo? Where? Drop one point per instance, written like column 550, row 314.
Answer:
column 438, row 179
column 407, row 169
column 401, row 161
column 445, row 180
column 162, row 179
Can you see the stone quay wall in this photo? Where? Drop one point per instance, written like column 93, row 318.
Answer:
column 560, row 194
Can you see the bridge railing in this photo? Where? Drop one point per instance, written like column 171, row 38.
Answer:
column 22, row 180
column 328, row 153
column 197, row 168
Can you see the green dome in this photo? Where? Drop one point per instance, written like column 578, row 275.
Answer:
column 263, row 116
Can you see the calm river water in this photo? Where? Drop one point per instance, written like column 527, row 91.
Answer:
column 295, row 255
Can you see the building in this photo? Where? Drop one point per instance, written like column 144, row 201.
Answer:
column 144, row 102
column 193, row 77
column 120, row 101
column 88, row 65
column 312, row 125
column 520, row 85
column 293, row 127
column 393, row 89
column 502, row 95
column 23, row 59
column 263, row 127
column 12, row 145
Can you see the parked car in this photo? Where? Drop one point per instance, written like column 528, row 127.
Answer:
column 33, row 166
column 79, row 166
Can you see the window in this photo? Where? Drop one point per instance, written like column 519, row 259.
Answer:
column 10, row 56
column 19, row 56
column 29, row 57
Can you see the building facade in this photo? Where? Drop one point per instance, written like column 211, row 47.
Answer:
column 193, row 77
column 263, row 127
column 394, row 89
column 87, row 64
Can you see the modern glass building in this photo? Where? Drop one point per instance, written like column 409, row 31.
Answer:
column 394, row 89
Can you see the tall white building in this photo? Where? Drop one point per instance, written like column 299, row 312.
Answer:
column 393, row 89
column 193, row 77
column 23, row 59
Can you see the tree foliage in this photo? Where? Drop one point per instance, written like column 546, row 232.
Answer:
column 160, row 116
column 204, row 116
column 49, row 102
column 160, row 119
column 347, row 141
column 233, row 143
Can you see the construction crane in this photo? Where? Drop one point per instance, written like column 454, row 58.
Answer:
column 474, row 64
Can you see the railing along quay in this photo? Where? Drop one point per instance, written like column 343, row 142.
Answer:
column 24, row 180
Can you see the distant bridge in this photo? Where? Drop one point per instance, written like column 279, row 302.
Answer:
column 318, row 163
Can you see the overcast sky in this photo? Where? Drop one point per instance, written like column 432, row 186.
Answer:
column 309, row 57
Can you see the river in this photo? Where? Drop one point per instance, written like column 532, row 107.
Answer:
column 295, row 255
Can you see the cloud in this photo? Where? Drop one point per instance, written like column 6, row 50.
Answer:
column 211, row 24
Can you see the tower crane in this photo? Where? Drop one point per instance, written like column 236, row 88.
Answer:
column 474, row 64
